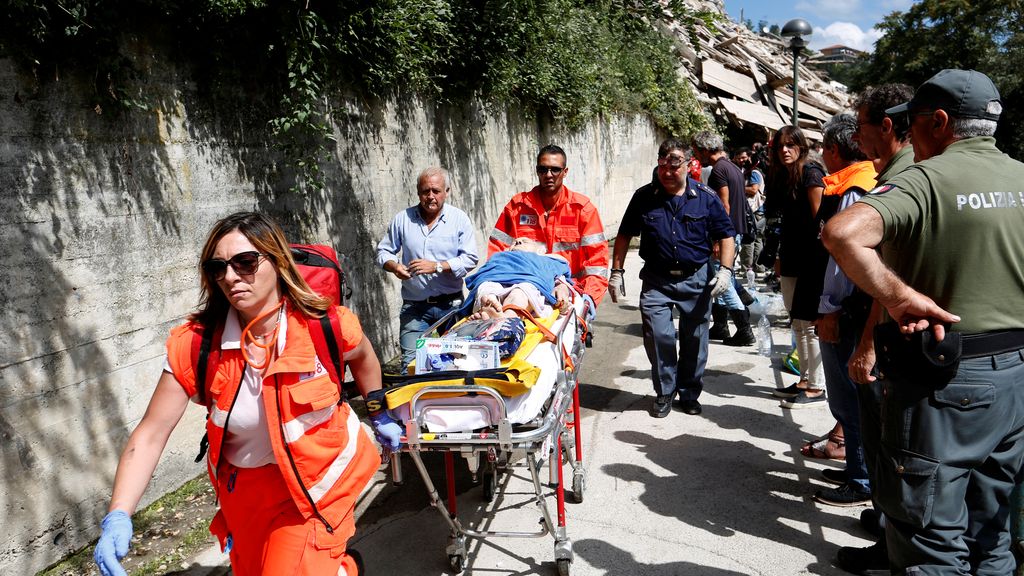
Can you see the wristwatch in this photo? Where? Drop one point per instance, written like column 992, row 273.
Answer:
column 439, row 268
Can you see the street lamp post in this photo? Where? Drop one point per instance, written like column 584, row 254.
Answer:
column 795, row 30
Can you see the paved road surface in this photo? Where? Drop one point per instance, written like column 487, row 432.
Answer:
column 725, row 493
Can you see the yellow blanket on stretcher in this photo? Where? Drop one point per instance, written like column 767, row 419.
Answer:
column 519, row 375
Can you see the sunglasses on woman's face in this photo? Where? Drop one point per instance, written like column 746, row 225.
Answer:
column 243, row 263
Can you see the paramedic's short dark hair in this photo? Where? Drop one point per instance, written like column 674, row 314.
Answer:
column 552, row 149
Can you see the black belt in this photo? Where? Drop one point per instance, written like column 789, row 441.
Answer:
column 442, row 299
column 991, row 343
column 685, row 272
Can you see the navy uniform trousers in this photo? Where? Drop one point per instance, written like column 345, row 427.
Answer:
column 949, row 459
column 677, row 365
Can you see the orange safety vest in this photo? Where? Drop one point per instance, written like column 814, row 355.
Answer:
column 320, row 447
column 572, row 229
column 861, row 174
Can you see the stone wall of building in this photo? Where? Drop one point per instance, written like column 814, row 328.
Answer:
column 103, row 214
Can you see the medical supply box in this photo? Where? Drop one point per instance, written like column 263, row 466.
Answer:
column 436, row 354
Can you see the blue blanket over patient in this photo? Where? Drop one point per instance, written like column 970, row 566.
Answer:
column 514, row 267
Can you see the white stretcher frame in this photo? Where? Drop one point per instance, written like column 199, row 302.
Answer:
column 543, row 439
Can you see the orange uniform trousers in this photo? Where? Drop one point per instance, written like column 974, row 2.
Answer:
column 268, row 535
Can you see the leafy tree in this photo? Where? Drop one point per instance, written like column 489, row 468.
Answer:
column 846, row 72
column 984, row 35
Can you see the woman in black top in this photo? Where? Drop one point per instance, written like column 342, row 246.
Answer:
column 795, row 194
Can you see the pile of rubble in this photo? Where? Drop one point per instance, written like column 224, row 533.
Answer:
column 748, row 77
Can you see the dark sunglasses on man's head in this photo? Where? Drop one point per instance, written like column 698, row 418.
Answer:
column 556, row 170
column 243, row 263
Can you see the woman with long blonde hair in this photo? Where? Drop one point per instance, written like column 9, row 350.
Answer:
column 287, row 458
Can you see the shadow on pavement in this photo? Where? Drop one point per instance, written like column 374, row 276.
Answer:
column 615, row 560
column 767, row 497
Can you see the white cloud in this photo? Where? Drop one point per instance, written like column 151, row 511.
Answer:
column 847, row 34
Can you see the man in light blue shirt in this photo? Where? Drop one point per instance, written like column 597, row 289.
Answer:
column 438, row 249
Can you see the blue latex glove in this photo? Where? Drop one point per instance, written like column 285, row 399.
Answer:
column 113, row 543
column 591, row 308
column 387, row 430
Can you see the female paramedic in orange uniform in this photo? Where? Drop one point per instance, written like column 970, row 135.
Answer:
column 286, row 459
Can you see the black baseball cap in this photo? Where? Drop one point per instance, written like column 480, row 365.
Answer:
column 961, row 93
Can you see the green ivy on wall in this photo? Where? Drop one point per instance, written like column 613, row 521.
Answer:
column 571, row 59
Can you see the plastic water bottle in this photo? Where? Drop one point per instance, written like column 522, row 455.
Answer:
column 750, row 278
column 764, row 336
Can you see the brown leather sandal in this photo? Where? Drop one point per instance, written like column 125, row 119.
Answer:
column 829, row 447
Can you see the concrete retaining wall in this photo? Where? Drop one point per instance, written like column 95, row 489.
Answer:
column 102, row 216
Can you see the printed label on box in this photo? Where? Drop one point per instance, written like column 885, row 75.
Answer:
column 436, row 354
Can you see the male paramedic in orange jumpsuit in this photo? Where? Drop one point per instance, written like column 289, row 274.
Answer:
column 565, row 221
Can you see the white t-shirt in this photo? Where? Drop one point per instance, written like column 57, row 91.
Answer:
column 247, row 439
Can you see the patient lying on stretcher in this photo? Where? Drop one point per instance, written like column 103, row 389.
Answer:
column 523, row 276
column 532, row 359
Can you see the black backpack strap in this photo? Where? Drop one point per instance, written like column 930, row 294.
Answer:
column 328, row 326
column 201, row 353
column 202, row 362
column 326, row 335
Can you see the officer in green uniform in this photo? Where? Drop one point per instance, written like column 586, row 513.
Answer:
column 887, row 141
column 951, row 277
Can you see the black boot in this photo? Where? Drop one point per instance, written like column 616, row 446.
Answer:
column 744, row 336
column 720, row 329
column 870, row 561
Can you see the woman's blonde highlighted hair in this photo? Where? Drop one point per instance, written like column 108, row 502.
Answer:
column 268, row 238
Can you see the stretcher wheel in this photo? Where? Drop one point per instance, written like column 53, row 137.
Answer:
column 579, row 484
column 590, row 344
column 563, row 566
column 458, row 563
column 489, row 480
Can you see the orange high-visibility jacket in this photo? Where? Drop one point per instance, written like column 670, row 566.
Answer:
column 320, row 447
column 572, row 229
column 860, row 174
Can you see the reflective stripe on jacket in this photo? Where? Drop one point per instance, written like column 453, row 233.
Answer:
column 322, row 452
column 572, row 229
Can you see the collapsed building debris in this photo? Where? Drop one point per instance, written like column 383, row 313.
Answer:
column 746, row 78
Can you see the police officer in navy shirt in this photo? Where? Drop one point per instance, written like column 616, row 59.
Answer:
column 679, row 221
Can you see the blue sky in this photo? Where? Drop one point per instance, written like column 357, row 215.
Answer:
column 849, row 22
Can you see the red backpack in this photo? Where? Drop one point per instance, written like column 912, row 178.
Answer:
column 319, row 265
